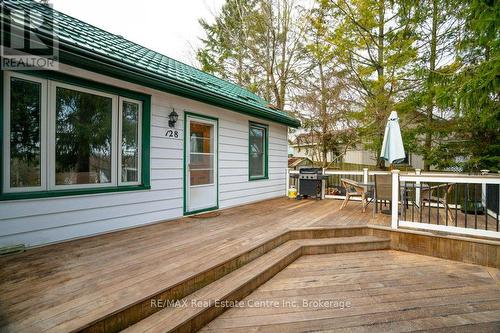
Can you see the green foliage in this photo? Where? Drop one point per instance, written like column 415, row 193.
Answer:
column 225, row 50
column 471, row 88
column 256, row 44
column 344, row 65
column 320, row 93
column 375, row 40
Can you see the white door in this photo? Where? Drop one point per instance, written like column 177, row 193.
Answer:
column 201, row 164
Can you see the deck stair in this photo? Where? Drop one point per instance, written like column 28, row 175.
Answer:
column 200, row 307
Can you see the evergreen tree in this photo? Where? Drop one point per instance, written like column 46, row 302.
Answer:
column 375, row 41
column 257, row 44
column 470, row 87
column 323, row 92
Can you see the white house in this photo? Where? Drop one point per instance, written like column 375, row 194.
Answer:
column 121, row 136
column 307, row 145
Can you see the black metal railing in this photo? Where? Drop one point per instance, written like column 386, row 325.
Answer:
column 465, row 205
column 333, row 183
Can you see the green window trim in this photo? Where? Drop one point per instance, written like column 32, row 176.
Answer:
column 266, row 150
column 101, row 87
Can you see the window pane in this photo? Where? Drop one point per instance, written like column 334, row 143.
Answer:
column 201, row 177
column 130, row 142
column 25, row 103
column 256, row 165
column 200, row 138
column 201, row 157
column 83, row 137
column 201, row 161
column 257, row 151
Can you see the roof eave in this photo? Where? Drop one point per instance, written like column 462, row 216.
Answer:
column 104, row 65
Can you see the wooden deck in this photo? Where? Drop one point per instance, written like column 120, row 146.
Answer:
column 73, row 282
column 63, row 287
column 377, row 291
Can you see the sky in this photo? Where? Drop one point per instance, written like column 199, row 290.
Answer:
column 170, row 26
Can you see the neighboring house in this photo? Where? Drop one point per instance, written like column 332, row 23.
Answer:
column 307, row 145
column 122, row 136
column 295, row 163
column 359, row 155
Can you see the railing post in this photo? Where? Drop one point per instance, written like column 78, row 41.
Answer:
column 365, row 175
column 323, row 184
column 483, row 190
column 395, row 199
column 287, row 181
column 417, row 187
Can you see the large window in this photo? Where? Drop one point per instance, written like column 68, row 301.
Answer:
column 83, row 137
column 258, row 151
column 59, row 136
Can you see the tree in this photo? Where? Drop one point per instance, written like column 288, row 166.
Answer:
column 437, row 30
column 375, row 41
column 322, row 92
column 470, row 87
column 262, row 43
column 433, row 61
column 225, row 52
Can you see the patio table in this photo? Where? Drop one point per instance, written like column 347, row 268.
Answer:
column 404, row 196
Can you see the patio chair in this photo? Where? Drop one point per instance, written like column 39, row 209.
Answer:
column 353, row 189
column 428, row 195
column 383, row 190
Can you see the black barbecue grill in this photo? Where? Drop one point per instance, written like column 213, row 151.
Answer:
column 310, row 183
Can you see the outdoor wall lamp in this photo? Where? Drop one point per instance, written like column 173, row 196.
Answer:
column 172, row 119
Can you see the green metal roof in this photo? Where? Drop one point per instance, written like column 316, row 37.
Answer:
column 86, row 46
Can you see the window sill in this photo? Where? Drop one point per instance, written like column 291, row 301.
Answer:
column 258, row 178
column 70, row 192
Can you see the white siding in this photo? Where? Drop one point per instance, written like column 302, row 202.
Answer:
column 311, row 152
column 360, row 156
column 41, row 221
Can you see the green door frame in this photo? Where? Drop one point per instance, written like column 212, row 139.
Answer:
column 185, row 189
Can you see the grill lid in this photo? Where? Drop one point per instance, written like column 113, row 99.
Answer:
column 311, row 170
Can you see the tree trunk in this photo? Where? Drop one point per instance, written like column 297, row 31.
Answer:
column 430, row 86
column 240, row 70
column 323, row 115
column 380, row 105
column 283, row 40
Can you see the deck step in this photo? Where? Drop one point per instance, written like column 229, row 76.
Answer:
column 199, row 308
column 193, row 278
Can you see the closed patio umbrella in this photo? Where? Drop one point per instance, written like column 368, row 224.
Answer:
column 393, row 150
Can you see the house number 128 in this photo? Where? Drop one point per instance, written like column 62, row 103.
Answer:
column 172, row 134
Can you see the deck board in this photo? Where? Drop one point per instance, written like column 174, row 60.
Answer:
column 458, row 294
column 80, row 280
